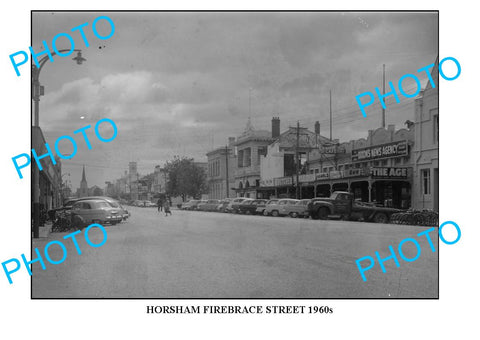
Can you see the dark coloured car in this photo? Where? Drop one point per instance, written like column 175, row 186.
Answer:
column 341, row 204
column 249, row 207
column 235, row 205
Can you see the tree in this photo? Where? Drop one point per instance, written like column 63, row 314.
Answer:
column 184, row 178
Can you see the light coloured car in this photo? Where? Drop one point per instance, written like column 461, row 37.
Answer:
column 113, row 202
column 298, row 209
column 85, row 212
column 210, row 205
column 274, row 208
column 234, row 203
column 190, row 205
column 261, row 207
column 223, row 204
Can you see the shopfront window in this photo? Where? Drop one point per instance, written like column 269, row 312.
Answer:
column 426, row 181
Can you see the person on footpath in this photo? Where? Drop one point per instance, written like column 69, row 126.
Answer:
column 159, row 204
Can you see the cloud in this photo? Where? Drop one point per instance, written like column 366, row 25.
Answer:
column 181, row 83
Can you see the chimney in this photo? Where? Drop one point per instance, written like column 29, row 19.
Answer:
column 317, row 127
column 275, row 127
column 231, row 141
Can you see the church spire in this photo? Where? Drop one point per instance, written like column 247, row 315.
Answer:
column 83, row 175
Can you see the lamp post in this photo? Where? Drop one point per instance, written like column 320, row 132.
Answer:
column 37, row 91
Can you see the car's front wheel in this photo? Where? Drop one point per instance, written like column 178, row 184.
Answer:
column 275, row 213
column 323, row 213
column 293, row 215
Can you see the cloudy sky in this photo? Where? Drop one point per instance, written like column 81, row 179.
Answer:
column 179, row 83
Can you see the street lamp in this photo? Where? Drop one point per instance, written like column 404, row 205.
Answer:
column 37, row 88
column 37, row 91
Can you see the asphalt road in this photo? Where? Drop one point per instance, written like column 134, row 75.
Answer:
column 211, row 255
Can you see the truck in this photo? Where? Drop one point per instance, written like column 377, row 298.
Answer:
column 341, row 204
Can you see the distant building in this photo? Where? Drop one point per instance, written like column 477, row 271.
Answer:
column 425, row 153
column 109, row 189
column 95, row 191
column 220, row 173
column 133, row 180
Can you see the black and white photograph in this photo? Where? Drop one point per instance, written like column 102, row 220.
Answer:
column 235, row 154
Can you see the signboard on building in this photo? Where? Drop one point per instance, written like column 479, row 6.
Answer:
column 389, row 150
column 389, row 173
column 336, row 174
column 322, row 175
column 331, row 149
column 355, row 172
column 283, row 181
column 266, row 182
column 306, row 178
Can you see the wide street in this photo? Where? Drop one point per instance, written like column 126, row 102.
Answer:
column 213, row 255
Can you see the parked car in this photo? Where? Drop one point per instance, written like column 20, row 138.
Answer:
column 113, row 202
column 210, row 205
column 341, row 204
column 275, row 207
column 190, row 205
column 223, row 204
column 249, row 207
column 298, row 209
column 200, row 204
column 88, row 211
column 234, row 203
column 261, row 206
column 149, row 204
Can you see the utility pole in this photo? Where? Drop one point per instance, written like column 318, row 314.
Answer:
column 330, row 114
column 297, row 191
column 383, row 110
column 226, row 168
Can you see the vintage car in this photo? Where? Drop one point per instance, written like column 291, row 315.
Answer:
column 297, row 209
column 261, row 206
column 274, row 208
column 209, row 205
column 223, row 204
column 88, row 211
column 341, row 204
column 199, row 205
column 190, row 205
column 249, row 207
column 233, row 205
column 113, row 202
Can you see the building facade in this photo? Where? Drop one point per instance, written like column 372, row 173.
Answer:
column 376, row 169
column 286, row 156
column 251, row 145
column 221, row 171
column 425, row 153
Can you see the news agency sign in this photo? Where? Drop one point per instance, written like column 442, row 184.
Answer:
column 389, row 150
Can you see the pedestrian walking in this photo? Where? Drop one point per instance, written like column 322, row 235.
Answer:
column 160, row 204
column 167, row 208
